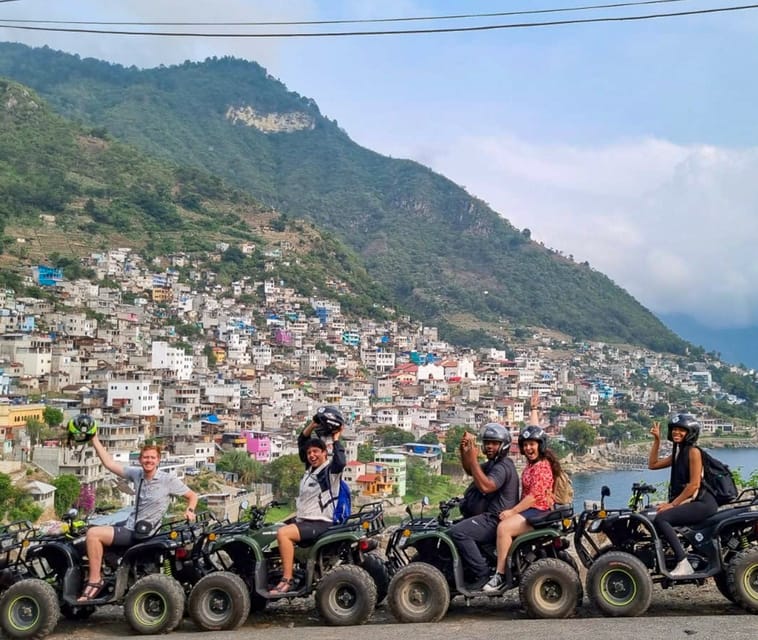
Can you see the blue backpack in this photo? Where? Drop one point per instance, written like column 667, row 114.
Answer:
column 342, row 504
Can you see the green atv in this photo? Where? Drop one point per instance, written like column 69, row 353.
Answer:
column 340, row 568
column 426, row 568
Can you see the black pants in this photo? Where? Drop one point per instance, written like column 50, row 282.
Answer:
column 685, row 514
column 468, row 534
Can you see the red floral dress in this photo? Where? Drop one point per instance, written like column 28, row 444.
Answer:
column 537, row 481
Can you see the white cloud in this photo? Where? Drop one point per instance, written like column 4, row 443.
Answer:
column 674, row 225
column 150, row 51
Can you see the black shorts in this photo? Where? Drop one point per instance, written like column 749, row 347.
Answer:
column 311, row 529
column 122, row 537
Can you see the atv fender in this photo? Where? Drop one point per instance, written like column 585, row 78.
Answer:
column 63, row 560
column 148, row 548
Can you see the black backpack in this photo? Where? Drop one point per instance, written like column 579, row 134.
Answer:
column 718, row 479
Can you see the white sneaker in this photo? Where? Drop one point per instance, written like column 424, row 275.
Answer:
column 495, row 583
column 683, row 568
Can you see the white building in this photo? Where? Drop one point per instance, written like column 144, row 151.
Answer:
column 164, row 356
column 134, row 397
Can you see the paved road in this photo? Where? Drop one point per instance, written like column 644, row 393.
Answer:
column 686, row 612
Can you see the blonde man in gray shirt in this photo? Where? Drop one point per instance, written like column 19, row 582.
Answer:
column 153, row 489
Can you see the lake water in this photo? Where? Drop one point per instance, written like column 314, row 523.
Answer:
column 587, row 485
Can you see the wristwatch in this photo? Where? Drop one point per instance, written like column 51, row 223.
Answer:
column 190, row 509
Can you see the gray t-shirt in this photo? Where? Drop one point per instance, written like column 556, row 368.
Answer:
column 155, row 495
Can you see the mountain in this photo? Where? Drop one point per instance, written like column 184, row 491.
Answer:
column 442, row 254
column 69, row 191
column 739, row 346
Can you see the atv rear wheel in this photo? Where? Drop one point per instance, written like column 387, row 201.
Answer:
column 219, row 602
column 550, row 588
column 418, row 593
column 618, row 584
column 154, row 604
column 742, row 573
column 29, row 609
column 346, row 596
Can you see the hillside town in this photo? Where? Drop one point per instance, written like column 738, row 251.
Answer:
column 163, row 351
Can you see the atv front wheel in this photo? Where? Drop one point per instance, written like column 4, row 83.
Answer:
column 219, row 602
column 346, row 596
column 742, row 573
column 722, row 584
column 418, row 593
column 29, row 609
column 154, row 604
column 619, row 584
column 550, row 588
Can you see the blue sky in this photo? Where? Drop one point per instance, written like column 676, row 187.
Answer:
column 631, row 145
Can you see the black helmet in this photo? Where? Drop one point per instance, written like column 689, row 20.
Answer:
column 689, row 423
column 533, row 432
column 496, row 432
column 81, row 428
column 329, row 419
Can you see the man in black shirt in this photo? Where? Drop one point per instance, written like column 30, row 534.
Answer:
column 493, row 489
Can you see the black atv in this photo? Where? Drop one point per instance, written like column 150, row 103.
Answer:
column 138, row 576
column 14, row 537
column 427, row 571
column 340, row 568
column 625, row 556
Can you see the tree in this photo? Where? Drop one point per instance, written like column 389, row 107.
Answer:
column 67, row 488
column 393, row 436
column 284, row 474
column 579, row 433
column 239, row 462
column 453, row 438
column 429, row 438
column 331, row 372
column 365, row 453
column 52, row 417
column 36, row 431
column 86, row 500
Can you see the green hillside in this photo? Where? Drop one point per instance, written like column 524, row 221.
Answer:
column 443, row 254
column 67, row 191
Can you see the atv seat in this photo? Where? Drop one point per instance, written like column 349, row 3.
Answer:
column 553, row 517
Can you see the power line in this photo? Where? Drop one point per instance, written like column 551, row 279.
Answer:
column 336, row 34
column 458, row 16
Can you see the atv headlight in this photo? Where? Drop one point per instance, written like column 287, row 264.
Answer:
column 595, row 526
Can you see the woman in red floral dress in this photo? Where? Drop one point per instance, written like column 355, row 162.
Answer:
column 536, row 497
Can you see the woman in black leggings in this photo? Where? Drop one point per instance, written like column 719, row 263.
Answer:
column 689, row 501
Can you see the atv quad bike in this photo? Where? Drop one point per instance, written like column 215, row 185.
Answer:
column 339, row 568
column 625, row 556
column 427, row 571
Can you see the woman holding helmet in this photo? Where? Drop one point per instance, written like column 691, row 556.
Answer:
column 542, row 466
column 688, row 501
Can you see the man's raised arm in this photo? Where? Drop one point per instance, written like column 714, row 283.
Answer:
column 106, row 458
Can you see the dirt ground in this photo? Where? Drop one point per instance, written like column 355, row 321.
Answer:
column 680, row 601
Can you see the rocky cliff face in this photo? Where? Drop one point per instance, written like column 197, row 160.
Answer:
column 270, row 122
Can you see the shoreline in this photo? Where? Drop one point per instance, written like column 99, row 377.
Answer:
column 606, row 459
